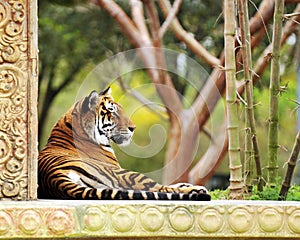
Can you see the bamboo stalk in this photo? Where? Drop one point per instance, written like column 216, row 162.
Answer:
column 274, row 94
column 248, row 149
column 251, row 150
column 291, row 166
column 236, row 180
column 206, row 165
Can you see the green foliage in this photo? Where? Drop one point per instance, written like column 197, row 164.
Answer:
column 272, row 193
column 209, row 34
column 268, row 193
column 66, row 2
column 220, row 194
column 294, row 193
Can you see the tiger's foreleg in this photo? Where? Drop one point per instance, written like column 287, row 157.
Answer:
column 137, row 181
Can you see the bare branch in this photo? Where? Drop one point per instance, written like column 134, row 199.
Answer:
column 170, row 17
column 187, row 38
column 207, row 133
column 153, row 22
column 169, row 96
column 139, row 19
column 259, row 14
column 153, row 107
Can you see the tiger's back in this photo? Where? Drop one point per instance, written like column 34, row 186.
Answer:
column 79, row 163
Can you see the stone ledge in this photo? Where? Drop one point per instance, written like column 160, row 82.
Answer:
column 149, row 219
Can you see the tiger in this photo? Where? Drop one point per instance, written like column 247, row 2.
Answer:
column 78, row 161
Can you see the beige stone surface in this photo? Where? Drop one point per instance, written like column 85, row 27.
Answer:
column 18, row 99
column 149, row 219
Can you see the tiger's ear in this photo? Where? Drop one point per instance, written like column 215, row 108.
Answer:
column 90, row 102
column 106, row 92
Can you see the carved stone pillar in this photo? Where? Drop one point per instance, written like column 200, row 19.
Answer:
column 18, row 99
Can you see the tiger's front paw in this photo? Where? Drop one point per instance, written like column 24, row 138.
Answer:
column 189, row 188
column 199, row 189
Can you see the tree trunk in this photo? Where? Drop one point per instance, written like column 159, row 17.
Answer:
column 182, row 146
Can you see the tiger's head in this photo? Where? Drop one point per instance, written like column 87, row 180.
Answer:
column 102, row 119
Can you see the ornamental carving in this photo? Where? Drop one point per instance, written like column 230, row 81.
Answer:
column 16, row 80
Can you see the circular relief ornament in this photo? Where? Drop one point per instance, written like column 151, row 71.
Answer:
column 18, row 12
column 14, row 30
column 294, row 221
column 210, row 221
column 59, row 223
column 270, row 220
column 19, row 148
column 10, row 188
column 94, row 219
column 5, row 148
column 29, row 222
column 9, row 80
column 152, row 219
column 10, row 53
column 18, row 108
column 13, row 166
column 5, row 223
column 123, row 220
column 181, row 219
column 240, row 220
column 4, row 13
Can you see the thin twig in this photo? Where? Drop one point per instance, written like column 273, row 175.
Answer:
column 262, row 19
column 139, row 97
column 241, row 99
column 206, row 132
column 289, row 15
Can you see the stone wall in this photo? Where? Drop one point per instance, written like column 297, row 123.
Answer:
column 18, row 99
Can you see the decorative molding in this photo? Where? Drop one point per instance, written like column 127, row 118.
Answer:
column 97, row 219
column 146, row 219
column 18, row 98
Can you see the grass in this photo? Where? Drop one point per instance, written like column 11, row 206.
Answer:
column 268, row 193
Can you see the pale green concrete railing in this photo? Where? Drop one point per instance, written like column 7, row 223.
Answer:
column 35, row 219
column 151, row 219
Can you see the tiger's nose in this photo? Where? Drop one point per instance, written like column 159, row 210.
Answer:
column 131, row 128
